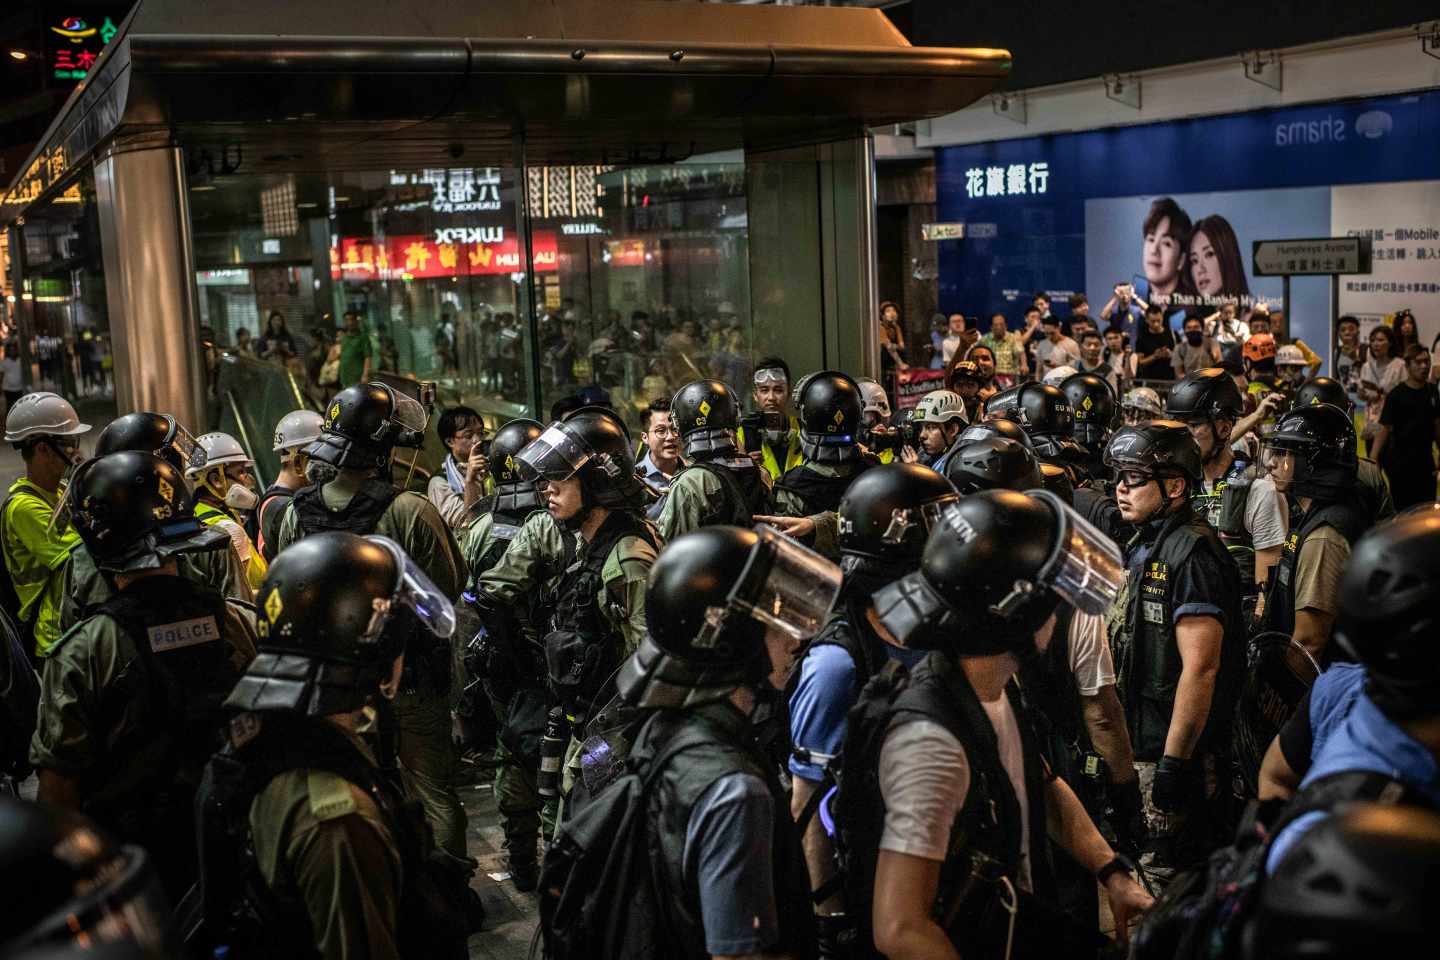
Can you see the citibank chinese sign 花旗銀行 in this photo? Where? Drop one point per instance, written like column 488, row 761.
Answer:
column 419, row 257
column 1035, row 190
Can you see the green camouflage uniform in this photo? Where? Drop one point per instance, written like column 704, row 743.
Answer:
column 85, row 588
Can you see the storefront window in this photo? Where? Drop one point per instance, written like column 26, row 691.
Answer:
column 62, row 333
column 638, row 278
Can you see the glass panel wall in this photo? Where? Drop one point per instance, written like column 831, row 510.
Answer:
column 639, row 277
column 60, row 338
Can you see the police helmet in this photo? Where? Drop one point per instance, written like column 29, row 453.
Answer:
column 830, row 416
column 1388, row 619
column 1160, row 448
column 1205, row 395
column 589, row 443
column 888, row 511
column 134, row 511
column 364, row 423
column 706, row 415
column 335, row 610
column 1362, row 882
column 993, row 463
column 513, row 493
column 68, row 884
column 1040, row 409
column 986, row 429
column 1059, row 481
column 1093, row 403
column 712, row 596
column 995, row 569
column 1322, row 390
column 156, row 433
column 1322, row 440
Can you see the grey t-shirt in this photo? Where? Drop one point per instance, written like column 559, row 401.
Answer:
column 728, row 858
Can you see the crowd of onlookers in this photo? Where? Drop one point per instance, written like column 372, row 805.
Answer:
column 1389, row 375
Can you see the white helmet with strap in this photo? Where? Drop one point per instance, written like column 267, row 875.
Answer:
column 940, row 406
column 214, row 450
column 298, row 428
column 873, row 397
column 42, row 414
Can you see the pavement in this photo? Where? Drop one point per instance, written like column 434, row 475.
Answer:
column 511, row 916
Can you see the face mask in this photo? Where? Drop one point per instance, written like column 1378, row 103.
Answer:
column 1194, row 337
column 240, row 497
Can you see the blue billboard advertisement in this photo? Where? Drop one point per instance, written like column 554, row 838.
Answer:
column 1173, row 209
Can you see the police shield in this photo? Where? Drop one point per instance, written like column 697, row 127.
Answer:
column 1279, row 673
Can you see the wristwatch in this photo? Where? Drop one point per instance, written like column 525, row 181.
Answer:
column 1116, row 865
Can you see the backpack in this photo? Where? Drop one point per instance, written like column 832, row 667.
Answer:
column 602, row 884
column 1204, row 913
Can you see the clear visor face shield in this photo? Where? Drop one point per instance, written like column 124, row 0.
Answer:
column 414, row 591
column 555, row 455
column 409, row 415
column 1086, row 568
column 1280, row 464
column 182, row 442
column 784, row 586
column 927, row 516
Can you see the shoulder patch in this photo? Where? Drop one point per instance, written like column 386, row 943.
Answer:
column 331, row 796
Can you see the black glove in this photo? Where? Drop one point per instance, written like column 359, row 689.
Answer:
column 1176, row 784
column 1127, row 817
column 835, row 937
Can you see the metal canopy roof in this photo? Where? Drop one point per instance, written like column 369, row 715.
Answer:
column 347, row 86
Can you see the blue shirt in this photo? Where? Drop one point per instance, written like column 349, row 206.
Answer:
column 821, row 704
column 1363, row 739
column 647, row 469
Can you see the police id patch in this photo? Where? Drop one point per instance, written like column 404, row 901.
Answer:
column 1153, row 611
column 185, row 633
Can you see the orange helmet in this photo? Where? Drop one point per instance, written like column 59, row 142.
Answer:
column 1260, row 346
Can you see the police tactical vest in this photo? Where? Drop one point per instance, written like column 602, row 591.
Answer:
column 1348, row 517
column 1146, row 653
column 359, row 516
column 1223, row 507
column 743, row 494
column 242, row 913
column 582, row 649
column 819, row 493
column 988, row 829
column 679, row 788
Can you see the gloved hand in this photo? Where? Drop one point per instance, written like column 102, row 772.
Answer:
column 835, row 936
column 1176, row 784
column 1127, row 817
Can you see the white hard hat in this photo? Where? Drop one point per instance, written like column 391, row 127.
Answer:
column 42, row 415
column 1289, row 355
column 940, row 406
column 297, row 428
column 213, row 450
column 1060, row 374
column 874, row 398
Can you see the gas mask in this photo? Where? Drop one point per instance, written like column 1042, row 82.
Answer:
column 241, row 497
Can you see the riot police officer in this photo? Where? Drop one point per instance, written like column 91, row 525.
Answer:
column 960, row 759
column 993, row 463
column 720, row 644
column 1096, row 414
column 306, row 842
column 1233, row 496
column 1140, row 404
column 999, row 428
column 1311, row 458
column 1368, row 472
column 73, row 892
column 717, row 484
column 85, row 586
column 506, row 660
column 363, row 425
column 587, row 555
column 885, row 517
column 1178, row 637
column 1044, row 413
column 830, row 416
column 130, row 704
